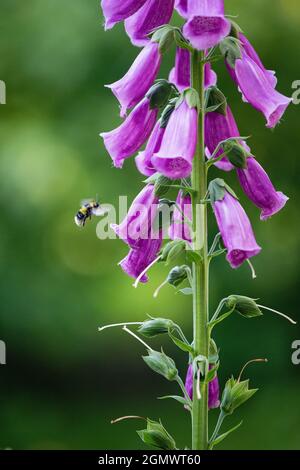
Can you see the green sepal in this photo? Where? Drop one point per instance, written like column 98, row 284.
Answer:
column 230, row 48
column 213, row 354
column 177, row 275
column 159, row 93
column 186, row 291
column 167, row 112
column 162, row 364
column 212, row 373
column 192, row 98
column 216, row 190
column 236, row 154
column 157, row 436
column 165, row 37
column 215, row 101
column 193, row 256
column 235, row 29
column 235, row 394
column 162, row 185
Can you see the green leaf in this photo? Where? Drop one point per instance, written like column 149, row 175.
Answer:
column 220, row 319
column 193, row 256
column 211, row 374
column 181, row 344
column 223, row 436
column 175, row 397
column 186, row 291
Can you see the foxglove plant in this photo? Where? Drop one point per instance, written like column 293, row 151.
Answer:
column 187, row 127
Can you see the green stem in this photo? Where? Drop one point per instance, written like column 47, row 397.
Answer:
column 201, row 267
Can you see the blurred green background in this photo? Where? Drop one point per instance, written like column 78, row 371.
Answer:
column 64, row 381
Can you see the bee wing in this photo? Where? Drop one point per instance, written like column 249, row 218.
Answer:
column 98, row 211
column 86, row 201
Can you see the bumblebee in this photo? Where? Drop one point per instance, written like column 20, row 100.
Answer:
column 88, row 208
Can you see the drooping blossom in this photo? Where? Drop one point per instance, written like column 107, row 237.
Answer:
column 180, row 75
column 257, row 86
column 257, row 186
column 175, row 156
column 139, row 220
column 154, row 13
column 180, row 228
column 251, row 52
column 213, row 389
column 130, row 89
column 127, row 139
column 116, row 10
column 218, row 128
column 206, row 24
column 236, row 230
column 139, row 258
column 143, row 159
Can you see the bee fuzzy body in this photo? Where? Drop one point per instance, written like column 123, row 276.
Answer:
column 86, row 211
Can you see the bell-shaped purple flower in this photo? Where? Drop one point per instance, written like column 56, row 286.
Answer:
column 180, row 75
column 206, row 25
column 257, row 88
column 251, row 52
column 138, row 222
column 218, row 128
column 154, row 13
column 143, row 159
column 130, row 89
column 175, row 156
column 116, row 10
column 180, row 228
column 213, row 389
column 257, row 186
column 182, row 7
column 236, row 230
column 139, row 258
column 127, row 139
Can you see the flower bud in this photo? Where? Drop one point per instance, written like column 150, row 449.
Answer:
column 157, row 436
column 159, row 94
column 155, row 326
column 245, row 306
column 162, row 364
column 235, row 394
column 162, row 186
column 172, row 249
column 177, row 275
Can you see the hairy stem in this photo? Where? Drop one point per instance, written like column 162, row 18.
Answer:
column 201, row 267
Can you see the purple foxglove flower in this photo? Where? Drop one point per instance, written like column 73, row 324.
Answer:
column 124, row 141
column 140, row 257
column 217, row 128
column 143, row 160
column 180, row 75
column 206, row 25
column 116, row 10
column 213, row 389
column 251, row 52
column 182, row 7
column 180, row 229
column 154, row 13
column 138, row 222
column 257, row 186
column 139, row 78
column 258, row 90
column 236, row 230
column 175, row 156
